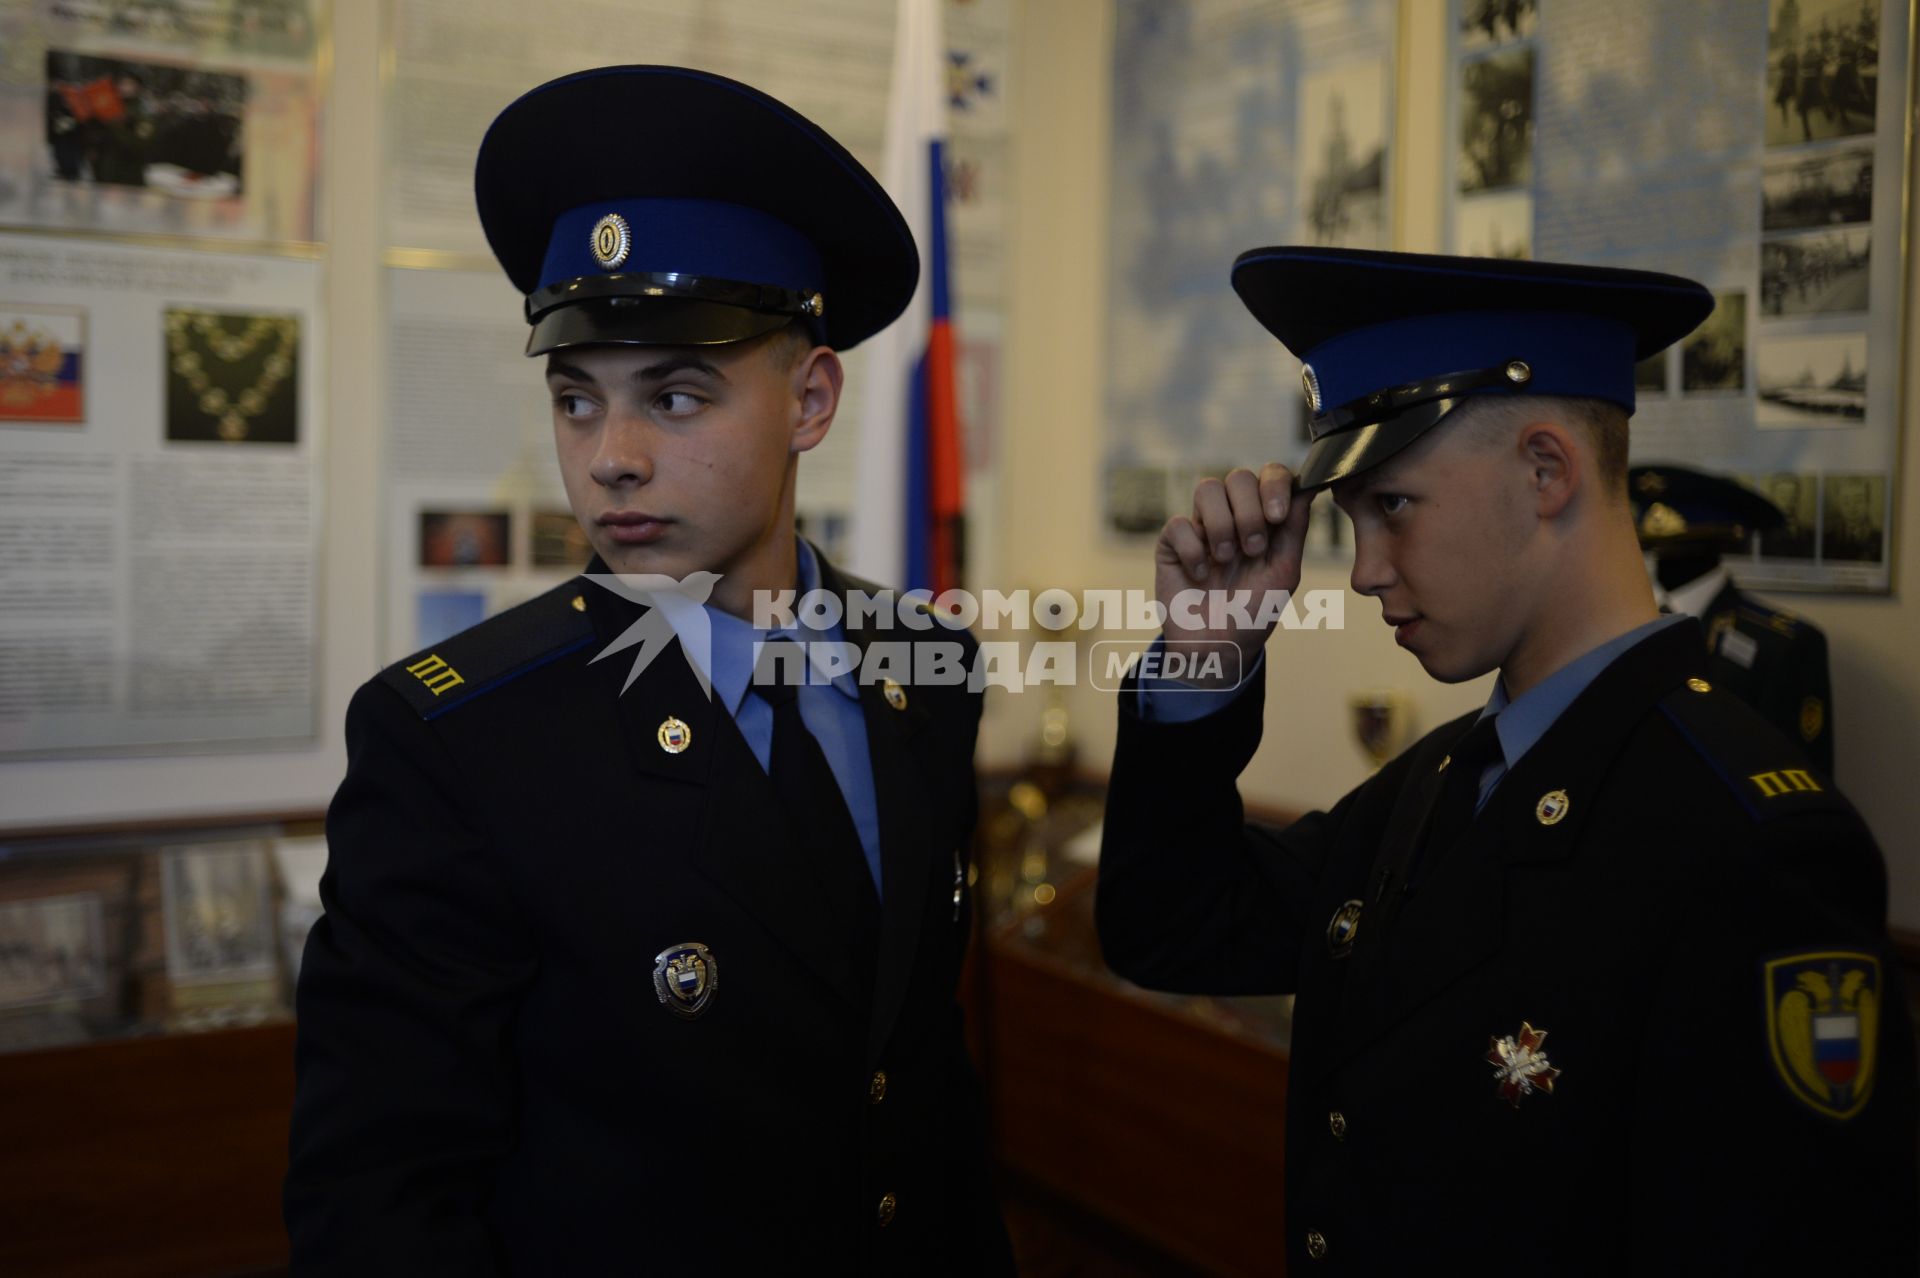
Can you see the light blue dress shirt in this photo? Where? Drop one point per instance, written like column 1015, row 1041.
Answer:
column 831, row 711
column 1520, row 725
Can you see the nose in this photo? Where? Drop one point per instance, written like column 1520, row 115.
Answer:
column 1373, row 573
column 624, row 457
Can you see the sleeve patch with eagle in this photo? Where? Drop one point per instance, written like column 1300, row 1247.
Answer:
column 1823, row 1027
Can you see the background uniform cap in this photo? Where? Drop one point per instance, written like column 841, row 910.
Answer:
column 1678, row 510
column 663, row 205
column 1393, row 342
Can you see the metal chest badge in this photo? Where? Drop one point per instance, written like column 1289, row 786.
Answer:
column 1342, row 928
column 1520, row 1068
column 1823, row 1024
column 685, row 978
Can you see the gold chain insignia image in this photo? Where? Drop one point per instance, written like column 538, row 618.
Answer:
column 204, row 347
column 1823, row 1026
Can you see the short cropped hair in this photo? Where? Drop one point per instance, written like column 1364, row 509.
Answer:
column 1493, row 418
column 789, row 343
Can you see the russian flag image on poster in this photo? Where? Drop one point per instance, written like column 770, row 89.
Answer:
column 40, row 356
column 909, row 494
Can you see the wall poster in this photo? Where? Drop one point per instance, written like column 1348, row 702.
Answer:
column 1756, row 145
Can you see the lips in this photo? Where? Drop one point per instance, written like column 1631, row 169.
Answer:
column 1404, row 628
column 633, row 527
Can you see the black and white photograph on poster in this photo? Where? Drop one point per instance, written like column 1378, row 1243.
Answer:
column 52, row 950
column 1813, row 380
column 1650, row 375
column 121, row 123
column 232, row 377
column 1343, row 155
column 1823, row 69
column 1714, row 356
column 217, row 903
column 1137, row 499
column 1829, row 188
column 1796, row 495
column 1854, row 529
column 1497, row 224
column 1824, row 273
column 1487, row 22
column 1496, row 121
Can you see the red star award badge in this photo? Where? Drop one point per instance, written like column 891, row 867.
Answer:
column 1520, row 1068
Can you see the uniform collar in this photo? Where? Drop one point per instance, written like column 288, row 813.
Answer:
column 734, row 639
column 1524, row 721
column 1697, row 596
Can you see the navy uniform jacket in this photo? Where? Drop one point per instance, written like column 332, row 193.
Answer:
column 1633, row 919
column 1776, row 662
column 488, row 1083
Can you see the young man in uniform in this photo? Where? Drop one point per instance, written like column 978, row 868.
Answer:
column 647, row 978
column 1594, row 979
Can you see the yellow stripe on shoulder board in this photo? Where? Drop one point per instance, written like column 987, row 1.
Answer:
column 437, row 674
column 1785, row 781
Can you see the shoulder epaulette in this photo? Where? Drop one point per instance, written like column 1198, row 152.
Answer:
column 1778, row 620
column 1767, row 772
column 484, row 657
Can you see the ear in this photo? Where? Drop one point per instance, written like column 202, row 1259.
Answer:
column 1556, row 465
column 817, row 379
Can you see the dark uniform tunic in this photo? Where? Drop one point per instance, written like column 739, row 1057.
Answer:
column 1776, row 662
column 1662, row 898
column 488, row 1080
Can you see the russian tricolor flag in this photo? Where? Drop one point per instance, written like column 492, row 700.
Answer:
column 909, row 486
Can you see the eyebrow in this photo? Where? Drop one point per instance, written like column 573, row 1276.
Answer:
column 681, row 363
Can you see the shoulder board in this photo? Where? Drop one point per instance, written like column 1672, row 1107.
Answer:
column 1767, row 772
column 484, row 657
column 1777, row 620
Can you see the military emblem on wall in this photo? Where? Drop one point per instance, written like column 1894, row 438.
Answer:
column 1823, row 1021
column 41, row 348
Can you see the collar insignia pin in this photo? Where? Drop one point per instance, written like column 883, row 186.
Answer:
column 1520, row 1068
column 674, row 736
column 1552, row 808
column 895, row 694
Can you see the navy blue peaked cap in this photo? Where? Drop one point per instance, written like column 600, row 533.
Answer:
column 1394, row 342
column 1678, row 510
column 663, row 205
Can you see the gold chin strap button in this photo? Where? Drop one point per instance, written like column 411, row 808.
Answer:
column 1700, row 685
column 884, row 1213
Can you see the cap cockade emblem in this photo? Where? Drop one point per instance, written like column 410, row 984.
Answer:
column 1310, row 383
column 612, row 241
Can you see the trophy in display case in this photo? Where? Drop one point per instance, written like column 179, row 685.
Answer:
column 1381, row 720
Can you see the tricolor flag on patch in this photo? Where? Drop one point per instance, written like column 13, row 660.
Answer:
column 1823, row 1012
column 40, row 364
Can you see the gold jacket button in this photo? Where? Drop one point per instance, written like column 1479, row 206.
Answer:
column 1337, row 1124
column 1316, row 1245
column 877, row 1089
column 885, row 1213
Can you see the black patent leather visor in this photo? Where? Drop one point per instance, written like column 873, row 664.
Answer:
column 1364, row 432
column 660, row 309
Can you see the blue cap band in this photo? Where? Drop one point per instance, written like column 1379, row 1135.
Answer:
column 690, row 237
column 1571, row 354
